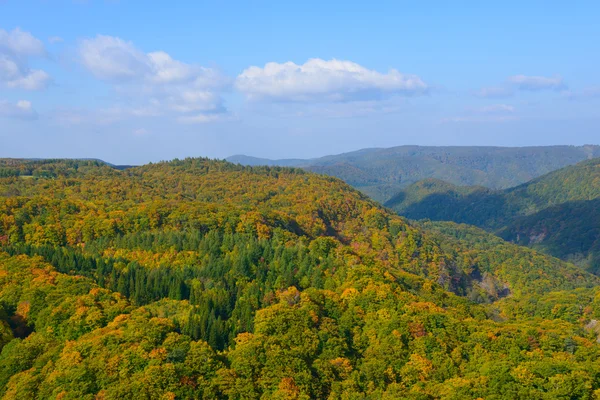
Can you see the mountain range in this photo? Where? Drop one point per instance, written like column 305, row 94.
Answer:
column 383, row 172
column 558, row 213
column 202, row 279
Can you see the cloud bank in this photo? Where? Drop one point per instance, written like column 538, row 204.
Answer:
column 154, row 84
column 16, row 49
column 318, row 80
column 161, row 83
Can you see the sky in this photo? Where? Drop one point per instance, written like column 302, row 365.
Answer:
column 131, row 82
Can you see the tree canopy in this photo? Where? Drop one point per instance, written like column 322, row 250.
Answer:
column 199, row 279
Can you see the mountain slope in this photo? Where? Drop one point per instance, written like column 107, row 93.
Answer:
column 381, row 173
column 202, row 279
column 557, row 213
column 499, row 267
column 374, row 340
column 570, row 231
column 96, row 205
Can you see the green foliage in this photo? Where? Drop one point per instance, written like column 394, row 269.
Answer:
column 570, row 231
column 499, row 269
column 558, row 213
column 381, row 173
column 200, row 279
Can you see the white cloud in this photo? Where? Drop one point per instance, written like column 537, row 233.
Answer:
column 536, row 83
column 21, row 43
column 155, row 81
column 111, row 58
column 165, row 70
column 34, row 80
column 22, row 109
column 325, row 81
column 16, row 48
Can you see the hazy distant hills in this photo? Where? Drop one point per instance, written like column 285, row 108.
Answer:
column 381, row 173
column 558, row 213
column 255, row 161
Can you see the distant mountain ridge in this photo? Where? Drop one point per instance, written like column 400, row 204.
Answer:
column 383, row 172
column 255, row 161
column 25, row 166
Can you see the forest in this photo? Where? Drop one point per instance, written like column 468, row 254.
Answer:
column 203, row 279
column 383, row 172
column 557, row 213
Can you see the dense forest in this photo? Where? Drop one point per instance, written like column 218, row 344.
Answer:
column 201, row 279
column 383, row 172
column 558, row 213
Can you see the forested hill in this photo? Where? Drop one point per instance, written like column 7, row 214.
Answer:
column 382, row 172
column 203, row 279
column 51, row 167
column 557, row 213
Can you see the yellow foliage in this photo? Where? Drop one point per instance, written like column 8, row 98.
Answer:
column 349, row 293
column 23, row 309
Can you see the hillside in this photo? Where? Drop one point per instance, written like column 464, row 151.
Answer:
column 557, row 213
column 203, row 279
column 50, row 167
column 570, row 231
column 381, row 173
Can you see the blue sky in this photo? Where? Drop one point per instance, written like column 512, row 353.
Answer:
column 138, row 81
